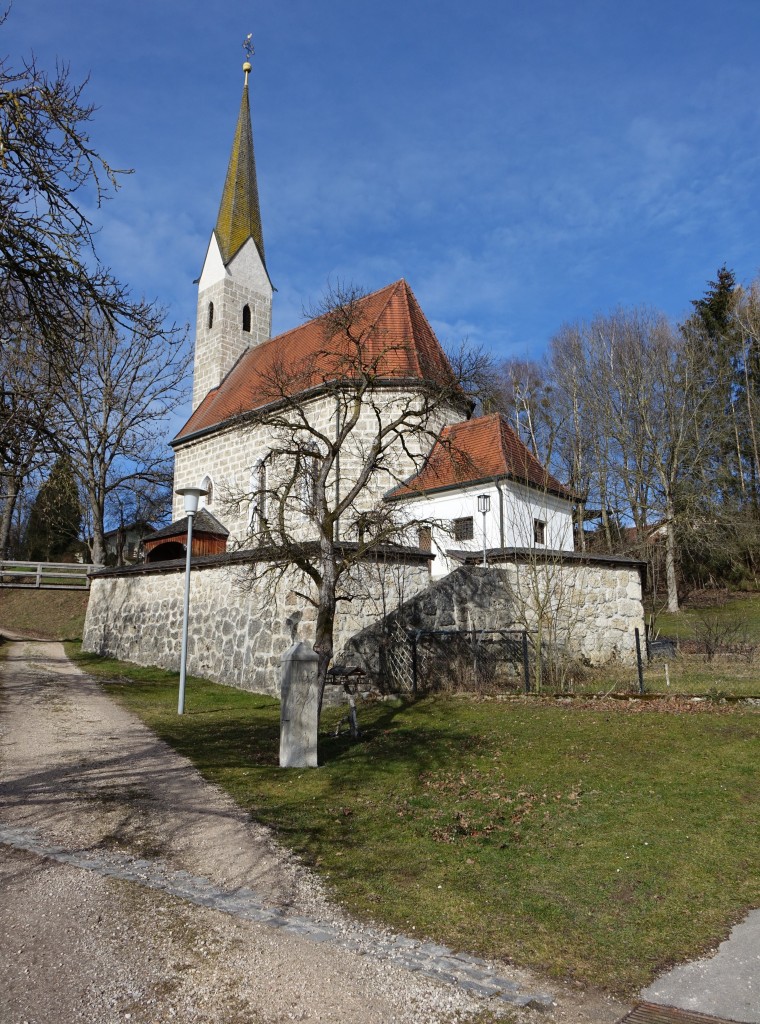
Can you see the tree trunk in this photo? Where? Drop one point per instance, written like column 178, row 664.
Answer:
column 323, row 639
column 670, row 567
column 10, row 487
column 98, row 545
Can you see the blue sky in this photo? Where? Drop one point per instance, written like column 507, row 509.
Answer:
column 521, row 164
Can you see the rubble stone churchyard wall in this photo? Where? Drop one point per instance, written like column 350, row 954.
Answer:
column 239, row 628
column 239, row 625
column 590, row 607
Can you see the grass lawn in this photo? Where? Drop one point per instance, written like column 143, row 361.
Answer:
column 597, row 840
column 735, row 673
column 52, row 614
column 744, row 610
column 690, row 673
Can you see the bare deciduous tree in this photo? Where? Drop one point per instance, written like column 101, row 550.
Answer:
column 52, row 284
column 115, row 392
column 50, row 173
column 27, row 422
column 341, row 431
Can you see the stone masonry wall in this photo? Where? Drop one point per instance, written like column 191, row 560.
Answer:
column 239, row 624
column 228, row 456
column 591, row 610
column 218, row 347
column 238, row 628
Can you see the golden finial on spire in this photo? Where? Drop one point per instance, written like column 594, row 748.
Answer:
column 249, row 51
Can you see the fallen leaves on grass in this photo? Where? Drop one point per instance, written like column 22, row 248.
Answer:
column 489, row 812
column 666, row 705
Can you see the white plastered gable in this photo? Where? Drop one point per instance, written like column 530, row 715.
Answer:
column 213, row 266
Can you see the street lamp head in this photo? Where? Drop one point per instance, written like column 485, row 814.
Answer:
column 191, row 496
column 484, row 503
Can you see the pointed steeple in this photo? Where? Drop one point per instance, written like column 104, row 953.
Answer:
column 234, row 289
column 239, row 215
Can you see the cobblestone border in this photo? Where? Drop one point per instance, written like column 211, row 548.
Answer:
column 471, row 973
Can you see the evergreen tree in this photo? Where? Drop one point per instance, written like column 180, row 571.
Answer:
column 716, row 349
column 721, row 531
column 56, row 515
column 715, row 309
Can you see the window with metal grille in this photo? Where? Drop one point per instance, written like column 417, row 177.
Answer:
column 539, row 531
column 463, row 529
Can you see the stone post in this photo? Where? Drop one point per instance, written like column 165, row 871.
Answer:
column 299, row 707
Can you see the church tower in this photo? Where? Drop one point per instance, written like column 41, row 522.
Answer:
column 234, row 290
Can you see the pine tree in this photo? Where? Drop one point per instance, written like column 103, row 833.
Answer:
column 714, row 310
column 721, row 535
column 56, row 515
column 716, row 347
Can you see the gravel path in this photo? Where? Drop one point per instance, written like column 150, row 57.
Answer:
column 131, row 889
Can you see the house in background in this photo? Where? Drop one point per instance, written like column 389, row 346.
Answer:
column 124, row 544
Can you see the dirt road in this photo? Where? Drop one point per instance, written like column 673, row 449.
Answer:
column 130, row 889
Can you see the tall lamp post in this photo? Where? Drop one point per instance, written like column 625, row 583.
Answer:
column 191, row 496
column 484, row 504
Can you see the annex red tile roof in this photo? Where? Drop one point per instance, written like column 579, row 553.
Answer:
column 480, row 449
column 394, row 342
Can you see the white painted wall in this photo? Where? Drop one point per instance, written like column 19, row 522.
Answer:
column 521, row 506
column 245, row 267
column 243, row 283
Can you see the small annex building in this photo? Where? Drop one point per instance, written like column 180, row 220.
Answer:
column 209, row 538
column 434, row 480
column 483, row 490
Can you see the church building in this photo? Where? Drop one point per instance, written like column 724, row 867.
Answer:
column 352, row 436
column 437, row 466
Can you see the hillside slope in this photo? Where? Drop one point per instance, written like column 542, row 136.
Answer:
column 48, row 614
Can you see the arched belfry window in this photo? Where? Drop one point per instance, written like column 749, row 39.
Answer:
column 247, row 318
column 210, row 315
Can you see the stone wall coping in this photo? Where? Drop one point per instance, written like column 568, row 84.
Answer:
column 495, row 555
column 389, row 553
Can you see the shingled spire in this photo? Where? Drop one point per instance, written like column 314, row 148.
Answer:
column 239, row 213
column 234, row 290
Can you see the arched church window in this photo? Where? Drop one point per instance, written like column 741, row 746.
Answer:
column 207, row 484
column 307, row 473
column 247, row 318
column 210, row 315
column 258, row 497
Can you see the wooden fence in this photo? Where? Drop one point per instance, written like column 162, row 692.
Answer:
column 44, row 575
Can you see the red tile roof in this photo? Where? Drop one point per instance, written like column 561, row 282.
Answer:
column 480, row 449
column 394, row 341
